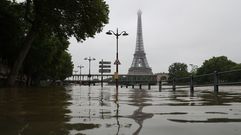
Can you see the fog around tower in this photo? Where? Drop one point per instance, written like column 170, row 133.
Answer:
column 173, row 31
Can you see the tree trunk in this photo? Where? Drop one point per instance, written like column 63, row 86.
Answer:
column 21, row 57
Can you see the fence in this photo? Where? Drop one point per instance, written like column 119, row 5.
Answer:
column 215, row 79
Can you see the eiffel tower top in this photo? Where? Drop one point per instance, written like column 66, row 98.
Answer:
column 139, row 36
column 139, row 12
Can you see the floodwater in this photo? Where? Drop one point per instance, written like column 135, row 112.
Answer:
column 77, row 110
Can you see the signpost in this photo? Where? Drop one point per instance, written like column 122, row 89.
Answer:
column 104, row 68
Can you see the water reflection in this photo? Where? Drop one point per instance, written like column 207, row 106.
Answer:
column 117, row 110
column 38, row 111
column 139, row 98
column 211, row 120
column 91, row 110
column 33, row 111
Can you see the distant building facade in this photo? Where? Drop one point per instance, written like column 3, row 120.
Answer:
column 162, row 76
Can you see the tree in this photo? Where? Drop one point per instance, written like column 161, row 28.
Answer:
column 65, row 18
column 236, row 76
column 178, row 70
column 11, row 31
column 221, row 63
column 193, row 69
column 48, row 60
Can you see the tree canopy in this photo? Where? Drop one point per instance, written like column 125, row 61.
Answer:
column 178, row 70
column 24, row 23
column 221, row 63
column 48, row 60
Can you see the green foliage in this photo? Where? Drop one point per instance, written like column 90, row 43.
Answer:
column 25, row 25
column 11, row 32
column 194, row 69
column 178, row 70
column 221, row 63
column 48, row 59
column 66, row 18
column 236, row 76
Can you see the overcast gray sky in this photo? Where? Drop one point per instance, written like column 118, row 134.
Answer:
column 188, row 31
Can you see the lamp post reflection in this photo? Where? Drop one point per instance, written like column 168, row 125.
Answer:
column 117, row 111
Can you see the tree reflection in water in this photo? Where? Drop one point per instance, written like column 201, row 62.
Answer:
column 36, row 111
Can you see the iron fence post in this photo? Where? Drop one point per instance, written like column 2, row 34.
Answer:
column 215, row 82
column 174, row 84
column 160, row 86
column 191, row 84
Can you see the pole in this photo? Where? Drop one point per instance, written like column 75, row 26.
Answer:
column 174, row 84
column 215, row 82
column 102, row 73
column 89, row 71
column 149, row 86
column 80, row 73
column 117, row 59
column 160, row 86
column 117, row 34
column 191, row 85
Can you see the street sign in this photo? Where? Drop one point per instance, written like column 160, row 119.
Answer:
column 105, row 66
column 104, row 70
column 104, row 62
column 117, row 62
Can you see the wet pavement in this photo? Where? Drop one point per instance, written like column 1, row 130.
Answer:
column 77, row 110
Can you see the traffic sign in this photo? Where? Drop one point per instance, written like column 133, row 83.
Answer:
column 117, row 62
column 104, row 70
column 104, row 62
column 105, row 66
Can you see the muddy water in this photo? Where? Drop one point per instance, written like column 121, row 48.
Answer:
column 78, row 110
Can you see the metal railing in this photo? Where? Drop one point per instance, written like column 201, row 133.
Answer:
column 215, row 79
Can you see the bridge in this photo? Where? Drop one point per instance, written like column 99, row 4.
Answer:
column 124, row 79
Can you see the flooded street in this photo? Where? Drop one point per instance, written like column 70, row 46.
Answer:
column 78, row 110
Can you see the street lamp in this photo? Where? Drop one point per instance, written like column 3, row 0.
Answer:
column 80, row 67
column 89, row 59
column 75, row 72
column 117, row 62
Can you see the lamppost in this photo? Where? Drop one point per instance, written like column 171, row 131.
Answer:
column 117, row 62
column 80, row 67
column 74, row 75
column 89, row 59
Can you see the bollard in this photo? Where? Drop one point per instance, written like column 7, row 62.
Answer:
column 174, row 84
column 133, row 86
column 126, row 86
column 215, row 82
column 121, row 86
column 160, row 86
column 140, row 86
column 191, row 85
column 149, row 86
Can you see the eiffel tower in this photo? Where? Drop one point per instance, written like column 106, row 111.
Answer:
column 139, row 64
